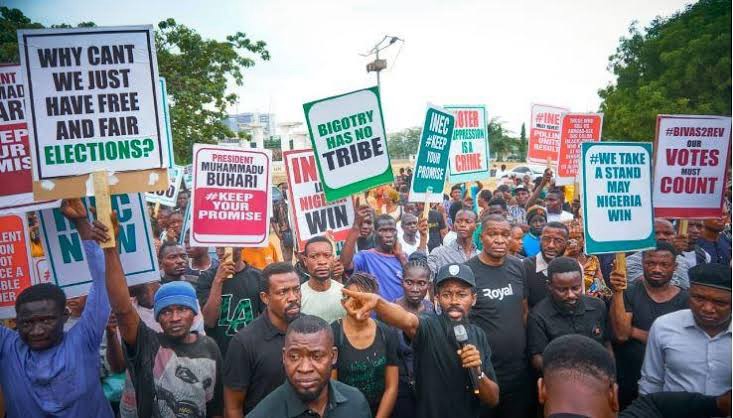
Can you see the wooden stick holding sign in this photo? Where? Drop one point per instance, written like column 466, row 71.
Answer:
column 620, row 266
column 426, row 209
column 156, row 209
column 103, row 204
column 229, row 256
column 683, row 228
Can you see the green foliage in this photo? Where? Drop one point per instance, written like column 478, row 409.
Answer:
column 196, row 70
column 680, row 65
column 501, row 143
column 404, row 143
column 523, row 144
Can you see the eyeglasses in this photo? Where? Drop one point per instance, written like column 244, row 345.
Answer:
column 447, row 295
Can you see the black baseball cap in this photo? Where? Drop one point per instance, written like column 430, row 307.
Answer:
column 712, row 275
column 455, row 271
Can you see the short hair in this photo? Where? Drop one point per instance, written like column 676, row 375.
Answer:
column 485, row 195
column 164, row 247
column 316, row 239
column 557, row 225
column 493, row 218
column 417, row 264
column 466, row 211
column 661, row 246
column 498, row 201
column 503, row 188
column 382, row 218
column 561, row 265
column 310, row 324
column 456, row 187
column 43, row 291
column 554, row 191
column 579, row 354
column 364, row 281
column 273, row 269
column 407, row 215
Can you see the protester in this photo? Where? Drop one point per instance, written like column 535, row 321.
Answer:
column 254, row 360
column 46, row 371
column 536, row 218
column 173, row 227
column 390, row 204
column 308, row 356
column 74, row 309
column 515, row 242
column 634, row 309
column 367, row 352
column 663, row 231
column 229, row 298
column 410, row 240
column 518, row 211
column 442, row 383
column 594, row 283
column 199, row 261
column 261, row 257
column 173, row 371
column 553, row 242
column 691, row 250
column 321, row 295
column 437, row 227
column 182, row 201
column 501, row 312
column 566, row 310
column 579, row 382
column 173, row 262
column 459, row 250
column 482, row 201
column 384, row 261
column 143, row 301
column 366, row 239
column 716, row 243
column 553, row 203
column 690, row 350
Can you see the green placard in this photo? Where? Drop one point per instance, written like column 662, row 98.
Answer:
column 431, row 165
column 349, row 142
column 617, row 196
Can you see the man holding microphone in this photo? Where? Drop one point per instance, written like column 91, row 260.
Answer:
column 453, row 369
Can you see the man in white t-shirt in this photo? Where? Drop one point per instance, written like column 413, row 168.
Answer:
column 320, row 295
column 553, row 204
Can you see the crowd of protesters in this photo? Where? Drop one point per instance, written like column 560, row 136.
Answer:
column 368, row 327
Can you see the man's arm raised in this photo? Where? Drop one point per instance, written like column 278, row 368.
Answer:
column 392, row 314
column 347, row 253
column 128, row 319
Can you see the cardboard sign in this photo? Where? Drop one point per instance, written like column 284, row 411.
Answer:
column 350, row 142
column 617, row 197
column 544, row 134
column 94, row 100
column 15, row 262
column 469, row 149
column 231, row 196
column 311, row 214
column 166, row 112
column 692, row 154
column 16, row 174
column 188, row 176
column 65, row 252
column 576, row 129
column 169, row 196
column 433, row 152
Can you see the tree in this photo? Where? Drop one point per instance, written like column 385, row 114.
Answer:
column 501, row 144
column 681, row 64
column 523, row 144
column 197, row 72
column 404, row 143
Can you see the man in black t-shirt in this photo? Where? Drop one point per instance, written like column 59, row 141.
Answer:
column 553, row 241
column 443, row 386
column 501, row 312
column 633, row 311
column 566, row 310
column 579, row 382
column 230, row 298
column 253, row 366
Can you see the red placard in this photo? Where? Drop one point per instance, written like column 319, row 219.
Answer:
column 15, row 272
column 544, row 133
column 576, row 129
column 231, row 196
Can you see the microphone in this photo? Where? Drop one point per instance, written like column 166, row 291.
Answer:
column 462, row 338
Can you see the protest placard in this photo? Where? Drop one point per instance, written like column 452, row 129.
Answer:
column 166, row 112
column 433, row 152
column 93, row 97
column 186, row 227
column 576, row 128
column 617, row 196
column 169, row 196
column 469, row 149
column 65, row 252
column 15, row 262
column 350, row 142
column 691, row 159
column 311, row 214
column 188, row 176
column 231, row 196
column 544, row 134
column 16, row 174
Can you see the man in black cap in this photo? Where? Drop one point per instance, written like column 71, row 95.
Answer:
column 689, row 350
column 442, row 379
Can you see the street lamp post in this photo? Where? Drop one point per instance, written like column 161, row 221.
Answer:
column 380, row 64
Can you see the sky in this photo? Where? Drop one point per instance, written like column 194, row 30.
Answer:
column 505, row 55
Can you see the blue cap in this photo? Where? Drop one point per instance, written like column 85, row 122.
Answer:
column 175, row 293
